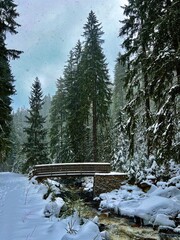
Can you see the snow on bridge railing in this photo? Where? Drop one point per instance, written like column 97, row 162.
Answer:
column 58, row 169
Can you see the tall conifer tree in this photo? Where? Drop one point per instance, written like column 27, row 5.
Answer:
column 152, row 81
column 76, row 125
column 35, row 147
column 8, row 15
column 59, row 145
column 95, row 82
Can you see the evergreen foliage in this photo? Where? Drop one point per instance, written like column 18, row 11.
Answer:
column 84, row 97
column 59, row 148
column 96, row 88
column 119, row 118
column 118, row 97
column 142, row 122
column 16, row 156
column 35, row 146
column 7, row 24
column 75, row 122
column 152, row 81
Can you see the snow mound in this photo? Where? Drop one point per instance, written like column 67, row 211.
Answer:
column 156, row 207
column 88, row 231
column 163, row 220
column 53, row 208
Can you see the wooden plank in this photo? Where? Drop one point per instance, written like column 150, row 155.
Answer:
column 71, row 168
column 65, row 174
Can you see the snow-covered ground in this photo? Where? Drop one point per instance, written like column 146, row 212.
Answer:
column 158, row 207
column 22, row 210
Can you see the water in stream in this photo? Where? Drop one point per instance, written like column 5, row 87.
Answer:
column 120, row 228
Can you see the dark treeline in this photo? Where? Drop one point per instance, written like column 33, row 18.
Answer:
column 130, row 123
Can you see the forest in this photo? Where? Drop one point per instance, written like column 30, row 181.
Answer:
column 132, row 122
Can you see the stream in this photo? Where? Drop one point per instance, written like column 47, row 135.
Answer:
column 121, row 228
column 117, row 227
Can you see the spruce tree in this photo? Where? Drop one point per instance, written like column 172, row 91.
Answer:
column 152, row 80
column 119, row 118
column 6, row 90
column 118, row 97
column 16, row 157
column 59, row 144
column 68, row 143
column 95, row 86
column 7, row 24
column 35, row 146
column 75, row 122
column 164, row 67
column 136, row 82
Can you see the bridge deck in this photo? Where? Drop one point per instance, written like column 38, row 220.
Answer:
column 70, row 169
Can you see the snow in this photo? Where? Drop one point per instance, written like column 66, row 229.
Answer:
column 22, row 213
column 111, row 174
column 89, row 231
column 156, row 207
column 88, row 184
column 74, row 163
column 163, row 220
column 53, row 208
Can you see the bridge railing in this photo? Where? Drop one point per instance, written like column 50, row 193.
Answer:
column 60, row 169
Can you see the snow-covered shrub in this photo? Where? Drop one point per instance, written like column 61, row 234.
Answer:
column 175, row 181
column 88, row 184
column 157, row 174
column 76, row 205
column 53, row 208
column 52, row 187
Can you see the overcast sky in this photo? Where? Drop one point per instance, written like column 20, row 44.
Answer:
column 49, row 30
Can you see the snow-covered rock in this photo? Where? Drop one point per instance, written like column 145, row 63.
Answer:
column 163, row 220
column 154, row 207
column 168, row 192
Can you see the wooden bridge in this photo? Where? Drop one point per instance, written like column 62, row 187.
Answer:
column 70, row 169
column 104, row 179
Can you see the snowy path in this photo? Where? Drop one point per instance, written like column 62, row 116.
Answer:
column 22, row 218
column 11, row 197
column 21, row 211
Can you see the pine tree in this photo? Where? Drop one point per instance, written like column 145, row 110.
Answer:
column 35, row 147
column 119, row 118
column 68, row 143
column 152, row 81
column 118, row 97
column 95, row 85
column 164, row 67
column 85, row 102
column 136, row 82
column 59, row 144
column 6, row 90
column 16, row 157
column 75, row 122
column 7, row 24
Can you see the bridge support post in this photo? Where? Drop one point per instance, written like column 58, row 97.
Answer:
column 106, row 182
